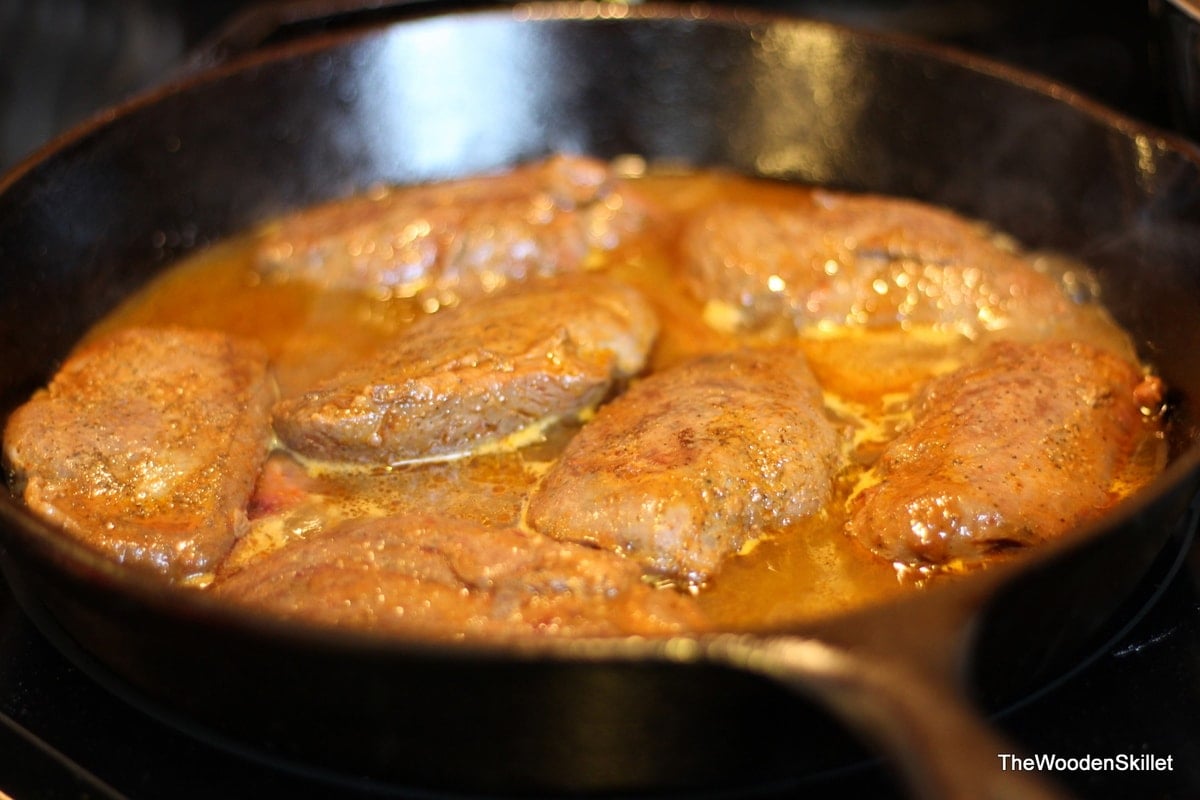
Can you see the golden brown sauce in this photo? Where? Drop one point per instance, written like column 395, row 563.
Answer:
column 799, row 573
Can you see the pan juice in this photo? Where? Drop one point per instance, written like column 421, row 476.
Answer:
column 871, row 376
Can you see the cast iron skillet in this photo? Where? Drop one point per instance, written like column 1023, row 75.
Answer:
column 97, row 213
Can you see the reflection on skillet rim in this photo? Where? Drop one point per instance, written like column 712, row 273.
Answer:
column 35, row 540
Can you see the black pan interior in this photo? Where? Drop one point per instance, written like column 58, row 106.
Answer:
column 108, row 207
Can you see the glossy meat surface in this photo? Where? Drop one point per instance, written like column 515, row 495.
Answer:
column 146, row 445
column 292, row 501
column 860, row 260
column 695, row 461
column 1017, row 448
column 456, row 392
column 458, row 239
column 435, row 576
column 470, row 376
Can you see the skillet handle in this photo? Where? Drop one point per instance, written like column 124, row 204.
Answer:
column 943, row 749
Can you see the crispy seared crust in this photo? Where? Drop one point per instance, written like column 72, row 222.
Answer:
column 146, row 445
column 460, row 239
column 862, row 260
column 692, row 462
column 434, row 576
column 1014, row 449
column 471, row 376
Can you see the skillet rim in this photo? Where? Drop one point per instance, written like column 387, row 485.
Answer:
column 68, row 555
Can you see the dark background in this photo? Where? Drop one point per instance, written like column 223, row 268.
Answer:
column 63, row 736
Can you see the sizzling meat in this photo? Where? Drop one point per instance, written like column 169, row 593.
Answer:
column 1015, row 449
column 146, row 445
column 694, row 461
column 442, row 577
column 860, row 260
column 658, row 379
column 472, row 375
column 457, row 239
column 291, row 501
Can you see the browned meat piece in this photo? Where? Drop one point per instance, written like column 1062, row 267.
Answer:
column 472, row 375
column 427, row 575
column 282, row 484
column 1013, row 450
column 860, row 260
column 146, row 445
column 291, row 502
column 457, row 239
column 695, row 461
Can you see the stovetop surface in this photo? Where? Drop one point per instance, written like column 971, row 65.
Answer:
column 62, row 735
